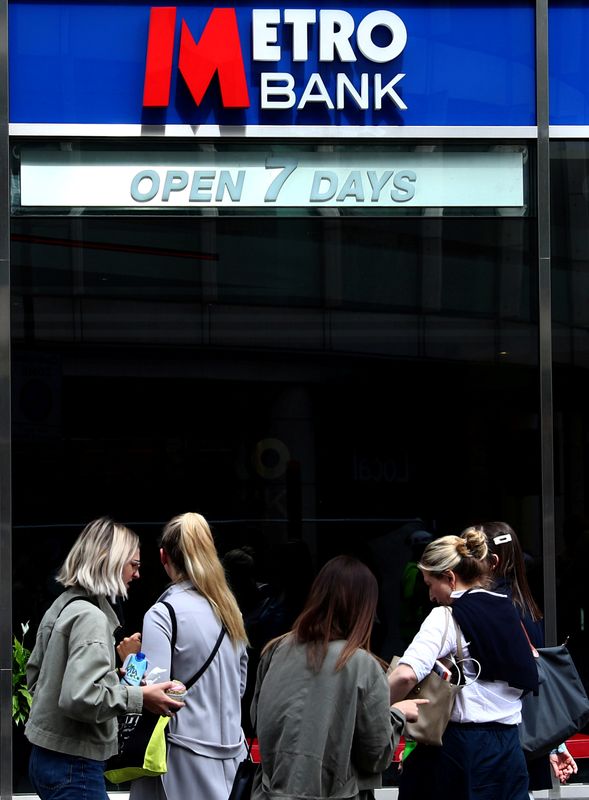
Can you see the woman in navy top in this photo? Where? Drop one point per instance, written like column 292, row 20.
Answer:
column 508, row 571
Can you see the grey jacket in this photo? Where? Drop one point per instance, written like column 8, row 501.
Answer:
column 322, row 735
column 76, row 690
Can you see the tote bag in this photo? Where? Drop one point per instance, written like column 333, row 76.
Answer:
column 434, row 716
column 561, row 707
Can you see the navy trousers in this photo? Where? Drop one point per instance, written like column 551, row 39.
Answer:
column 475, row 762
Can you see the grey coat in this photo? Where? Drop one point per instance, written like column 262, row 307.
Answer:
column 76, row 690
column 205, row 740
column 322, row 735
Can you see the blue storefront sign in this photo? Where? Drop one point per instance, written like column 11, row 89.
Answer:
column 569, row 63
column 334, row 65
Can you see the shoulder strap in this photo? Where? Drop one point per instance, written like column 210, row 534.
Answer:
column 92, row 600
column 172, row 614
column 459, row 652
column 535, row 652
column 207, row 663
column 447, row 620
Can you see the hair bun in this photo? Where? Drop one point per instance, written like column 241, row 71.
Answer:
column 475, row 543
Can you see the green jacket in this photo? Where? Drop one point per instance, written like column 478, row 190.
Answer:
column 322, row 735
column 72, row 674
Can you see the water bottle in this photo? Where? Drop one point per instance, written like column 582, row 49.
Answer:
column 135, row 666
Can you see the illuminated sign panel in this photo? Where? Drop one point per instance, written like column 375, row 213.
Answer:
column 362, row 179
column 240, row 66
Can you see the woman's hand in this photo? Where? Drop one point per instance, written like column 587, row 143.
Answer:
column 156, row 700
column 563, row 764
column 410, row 708
column 130, row 644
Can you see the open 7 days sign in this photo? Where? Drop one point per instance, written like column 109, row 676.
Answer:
column 219, row 52
column 363, row 179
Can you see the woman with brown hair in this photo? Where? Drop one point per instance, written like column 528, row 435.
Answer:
column 321, row 705
column 205, row 742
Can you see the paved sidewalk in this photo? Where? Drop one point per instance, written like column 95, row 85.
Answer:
column 578, row 791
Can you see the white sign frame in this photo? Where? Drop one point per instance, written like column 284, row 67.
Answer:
column 361, row 179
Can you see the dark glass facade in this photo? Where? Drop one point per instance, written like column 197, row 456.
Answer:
column 312, row 383
column 570, row 270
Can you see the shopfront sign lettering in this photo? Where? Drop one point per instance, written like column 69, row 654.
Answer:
column 361, row 69
column 219, row 51
column 267, row 178
column 318, row 186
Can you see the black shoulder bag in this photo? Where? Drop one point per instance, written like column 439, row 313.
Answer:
column 244, row 777
column 559, row 709
column 136, row 730
column 246, row 770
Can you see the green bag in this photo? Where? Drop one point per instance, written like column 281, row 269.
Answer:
column 154, row 758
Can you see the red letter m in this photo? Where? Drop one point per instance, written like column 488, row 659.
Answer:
column 218, row 51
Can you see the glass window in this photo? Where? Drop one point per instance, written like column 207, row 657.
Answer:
column 312, row 384
column 570, row 282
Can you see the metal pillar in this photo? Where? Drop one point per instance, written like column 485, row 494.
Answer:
column 545, row 321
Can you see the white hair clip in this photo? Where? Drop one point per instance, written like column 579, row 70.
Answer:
column 503, row 539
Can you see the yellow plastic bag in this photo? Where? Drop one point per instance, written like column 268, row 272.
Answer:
column 154, row 761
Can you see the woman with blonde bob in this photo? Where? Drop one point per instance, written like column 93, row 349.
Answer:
column 480, row 757
column 321, row 705
column 205, row 741
column 77, row 694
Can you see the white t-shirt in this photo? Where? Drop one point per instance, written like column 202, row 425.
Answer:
column 480, row 701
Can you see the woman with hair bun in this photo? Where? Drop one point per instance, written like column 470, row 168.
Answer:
column 480, row 757
column 205, row 740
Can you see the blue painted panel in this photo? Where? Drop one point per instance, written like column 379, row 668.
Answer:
column 84, row 63
column 569, row 63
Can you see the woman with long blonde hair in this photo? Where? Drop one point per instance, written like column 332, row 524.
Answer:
column 195, row 618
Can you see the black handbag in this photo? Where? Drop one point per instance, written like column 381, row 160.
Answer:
column 244, row 777
column 135, row 731
column 559, row 709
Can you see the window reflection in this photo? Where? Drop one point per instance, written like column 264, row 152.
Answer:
column 319, row 380
column 570, row 281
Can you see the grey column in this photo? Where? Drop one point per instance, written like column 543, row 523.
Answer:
column 545, row 321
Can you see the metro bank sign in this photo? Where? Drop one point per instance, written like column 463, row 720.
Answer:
column 265, row 69
column 219, row 52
